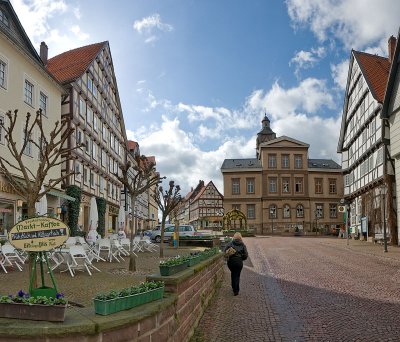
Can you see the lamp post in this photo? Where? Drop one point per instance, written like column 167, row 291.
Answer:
column 383, row 191
column 272, row 213
column 316, row 221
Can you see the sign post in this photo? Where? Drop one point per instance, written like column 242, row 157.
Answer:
column 39, row 235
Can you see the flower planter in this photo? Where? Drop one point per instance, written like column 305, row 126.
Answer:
column 194, row 260
column 107, row 307
column 169, row 270
column 36, row 312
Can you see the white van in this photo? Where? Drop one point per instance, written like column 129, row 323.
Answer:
column 184, row 230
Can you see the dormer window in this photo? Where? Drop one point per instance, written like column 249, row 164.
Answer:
column 4, row 19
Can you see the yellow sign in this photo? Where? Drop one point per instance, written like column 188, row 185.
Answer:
column 38, row 234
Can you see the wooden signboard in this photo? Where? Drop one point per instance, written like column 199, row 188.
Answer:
column 38, row 234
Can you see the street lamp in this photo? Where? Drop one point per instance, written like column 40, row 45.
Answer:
column 272, row 213
column 383, row 192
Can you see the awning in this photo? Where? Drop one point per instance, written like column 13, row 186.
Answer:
column 61, row 194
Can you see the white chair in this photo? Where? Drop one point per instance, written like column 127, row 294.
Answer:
column 2, row 262
column 79, row 261
column 71, row 241
column 137, row 244
column 126, row 245
column 103, row 245
column 117, row 251
column 90, row 249
column 11, row 256
column 148, row 245
column 57, row 258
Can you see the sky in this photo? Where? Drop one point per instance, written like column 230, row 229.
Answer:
column 196, row 77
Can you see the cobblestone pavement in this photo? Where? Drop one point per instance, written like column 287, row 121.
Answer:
column 309, row 289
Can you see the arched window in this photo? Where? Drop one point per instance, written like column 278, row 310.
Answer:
column 4, row 19
column 299, row 210
column 286, row 211
column 272, row 211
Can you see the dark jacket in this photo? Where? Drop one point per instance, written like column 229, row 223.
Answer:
column 241, row 250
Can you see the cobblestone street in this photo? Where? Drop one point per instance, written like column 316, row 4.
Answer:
column 309, row 289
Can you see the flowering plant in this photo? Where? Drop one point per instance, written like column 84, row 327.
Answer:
column 26, row 298
column 141, row 288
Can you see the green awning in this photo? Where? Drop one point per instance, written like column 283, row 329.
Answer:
column 61, row 194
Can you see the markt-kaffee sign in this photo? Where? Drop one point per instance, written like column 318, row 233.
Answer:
column 38, row 234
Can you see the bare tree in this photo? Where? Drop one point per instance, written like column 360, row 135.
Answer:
column 137, row 179
column 175, row 215
column 166, row 200
column 28, row 183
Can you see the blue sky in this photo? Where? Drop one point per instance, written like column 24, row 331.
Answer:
column 196, row 77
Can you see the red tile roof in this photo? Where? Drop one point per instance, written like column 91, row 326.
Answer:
column 132, row 145
column 376, row 71
column 70, row 65
column 199, row 194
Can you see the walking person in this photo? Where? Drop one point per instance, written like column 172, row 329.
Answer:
column 236, row 252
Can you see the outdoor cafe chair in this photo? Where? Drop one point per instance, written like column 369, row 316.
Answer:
column 148, row 245
column 117, row 251
column 79, row 261
column 126, row 245
column 103, row 245
column 137, row 244
column 11, row 256
column 2, row 262
column 90, row 249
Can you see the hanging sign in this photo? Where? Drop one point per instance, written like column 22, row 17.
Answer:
column 38, row 234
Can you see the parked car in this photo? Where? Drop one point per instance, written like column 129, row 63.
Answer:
column 184, row 230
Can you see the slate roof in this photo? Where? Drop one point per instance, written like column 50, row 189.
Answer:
column 70, row 65
column 250, row 163
column 323, row 164
column 376, row 71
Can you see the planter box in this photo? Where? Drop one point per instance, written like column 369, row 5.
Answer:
column 195, row 260
column 169, row 270
column 107, row 307
column 36, row 312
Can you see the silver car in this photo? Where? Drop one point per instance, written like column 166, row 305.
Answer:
column 184, row 230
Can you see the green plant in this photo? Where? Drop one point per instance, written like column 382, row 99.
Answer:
column 25, row 298
column 101, row 209
column 74, row 207
column 143, row 287
column 173, row 261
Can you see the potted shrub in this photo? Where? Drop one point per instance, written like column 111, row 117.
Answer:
column 39, row 308
column 173, row 265
column 118, row 300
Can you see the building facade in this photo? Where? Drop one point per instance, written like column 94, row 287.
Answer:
column 94, row 107
column 26, row 85
column 364, row 143
column 282, row 189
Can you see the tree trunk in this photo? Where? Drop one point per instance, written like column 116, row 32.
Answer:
column 132, row 257
column 162, row 236
column 32, row 256
column 176, row 229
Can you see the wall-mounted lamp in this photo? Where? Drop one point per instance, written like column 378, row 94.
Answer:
column 19, row 203
column 58, row 210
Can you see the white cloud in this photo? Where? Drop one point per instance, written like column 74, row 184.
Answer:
column 148, row 25
column 307, row 59
column 339, row 73
column 357, row 23
column 179, row 159
column 35, row 16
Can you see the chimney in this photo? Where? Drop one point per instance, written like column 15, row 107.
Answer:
column 391, row 47
column 44, row 51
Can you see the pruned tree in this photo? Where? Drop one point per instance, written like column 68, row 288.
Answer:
column 137, row 178
column 166, row 201
column 52, row 152
column 175, row 215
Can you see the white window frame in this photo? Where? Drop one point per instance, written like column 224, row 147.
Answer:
column 77, row 168
column 251, row 211
column 250, row 185
column 286, row 211
column 29, row 92
column 28, row 147
column 272, row 184
column 3, row 72
column 299, row 211
column 43, row 102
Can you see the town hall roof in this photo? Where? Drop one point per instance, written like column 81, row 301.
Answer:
column 249, row 163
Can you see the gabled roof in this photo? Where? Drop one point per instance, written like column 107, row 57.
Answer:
column 323, row 164
column 391, row 79
column 375, row 70
column 282, row 138
column 70, row 65
column 250, row 163
column 132, row 145
column 200, row 193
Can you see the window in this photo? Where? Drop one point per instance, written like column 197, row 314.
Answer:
column 318, row 185
column 251, row 211
column 43, row 103
column 104, row 132
column 299, row 211
column 91, row 179
column 110, row 165
column 89, row 116
column 85, row 175
column 285, row 161
column 95, row 122
column 103, row 158
column 90, row 84
column 379, row 158
column 3, row 74
column 235, row 186
column 272, row 161
column 4, row 19
column 285, row 185
column 272, row 211
column 87, row 145
column 272, row 184
column 319, row 211
column 250, row 185
column 299, row 185
column 332, row 211
column 94, row 151
column 82, row 108
column 79, row 138
column 77, row 171
column 28, row 144
column 286, row 211
column 101, row 184
column 298, row 161
column 28, row 93
column 332, row 186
